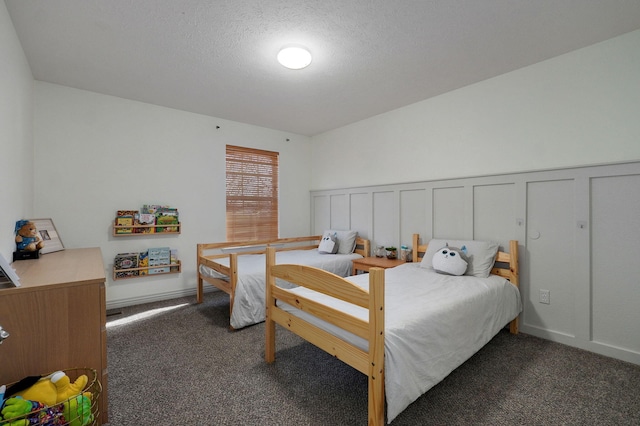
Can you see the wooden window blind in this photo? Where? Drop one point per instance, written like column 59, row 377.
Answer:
column 252, row 194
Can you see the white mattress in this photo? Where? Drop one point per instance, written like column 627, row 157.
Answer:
column 433, row 323
column 249, row 302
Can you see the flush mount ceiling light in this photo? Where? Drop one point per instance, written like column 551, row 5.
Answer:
column 294, row 57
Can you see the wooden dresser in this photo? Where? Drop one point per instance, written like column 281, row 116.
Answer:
column 56, row 318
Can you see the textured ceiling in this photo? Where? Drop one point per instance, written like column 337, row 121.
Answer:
column 218, row 57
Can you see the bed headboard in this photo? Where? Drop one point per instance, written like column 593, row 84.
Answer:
column 363, row 246
column 506, row 264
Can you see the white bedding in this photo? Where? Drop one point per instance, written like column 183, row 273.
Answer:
column 249, row 301
column 433, row 323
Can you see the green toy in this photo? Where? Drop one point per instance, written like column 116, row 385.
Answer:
column 77, row 410
column 26, row 412
column 15, row 407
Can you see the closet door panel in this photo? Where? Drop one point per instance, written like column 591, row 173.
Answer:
column 615, row 245
column 321, row 214
column 494, row 216
column 449, row 212
column 384, row 219
column 550, row 255
column 360, row 213
column 339, row 211
column 413, row 207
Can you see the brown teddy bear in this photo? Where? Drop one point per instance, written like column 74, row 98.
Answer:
column 27, row 237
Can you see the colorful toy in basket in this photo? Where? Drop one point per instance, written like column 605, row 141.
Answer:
column 54, row 389
column 16, row 407
column 17, row 411
column 47, row 401
column 65, row 389
column 77, row 411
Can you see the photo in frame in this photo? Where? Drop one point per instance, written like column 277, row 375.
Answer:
column 8, row 276
column 49, row 235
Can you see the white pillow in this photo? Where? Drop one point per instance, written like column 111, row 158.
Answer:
column 481, row 255
column 328, row 244
column 346, row 240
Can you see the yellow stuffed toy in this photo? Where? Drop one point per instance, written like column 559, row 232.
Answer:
column 65, row 389
column 54, row 389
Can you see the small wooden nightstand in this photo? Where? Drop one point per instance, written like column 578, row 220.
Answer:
column 366, row 263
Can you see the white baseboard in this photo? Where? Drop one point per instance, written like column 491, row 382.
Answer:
column 122, row 303
column 622, row 354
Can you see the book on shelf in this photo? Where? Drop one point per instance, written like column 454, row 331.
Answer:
column 150, row 208
column 146, row 220
column 174, row 260
column 124, row 261
column 165, row 216
column 143, row 262
column 157, row 209
column 160, row 256
column 164, row 222
column 125, row 218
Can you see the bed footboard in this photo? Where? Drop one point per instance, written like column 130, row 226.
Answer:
column 370, row 362
column 208, row 255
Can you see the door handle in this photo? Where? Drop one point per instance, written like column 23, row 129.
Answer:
column 3, row 334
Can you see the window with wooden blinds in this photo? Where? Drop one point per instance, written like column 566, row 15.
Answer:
column 252, row 194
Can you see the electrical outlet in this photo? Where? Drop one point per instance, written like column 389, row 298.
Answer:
column 545, row 297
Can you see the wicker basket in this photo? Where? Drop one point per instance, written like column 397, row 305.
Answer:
column 52, row 416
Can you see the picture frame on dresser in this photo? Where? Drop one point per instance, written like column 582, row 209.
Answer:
column 8, row 276
column 49, row 234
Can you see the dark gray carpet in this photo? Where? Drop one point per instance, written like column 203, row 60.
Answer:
column 183, row 367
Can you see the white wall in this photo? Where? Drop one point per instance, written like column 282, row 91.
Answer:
column 580, row 108
column 577, row 228
column 95, row 154
column 16, row 141
column 454, row 167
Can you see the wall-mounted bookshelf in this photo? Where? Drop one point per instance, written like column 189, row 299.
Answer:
column 144, row 230
column 123, row 274
column 154, row 261
column 151, row 219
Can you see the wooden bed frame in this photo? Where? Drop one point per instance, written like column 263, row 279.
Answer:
column 369, row 362
column 209, row 254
